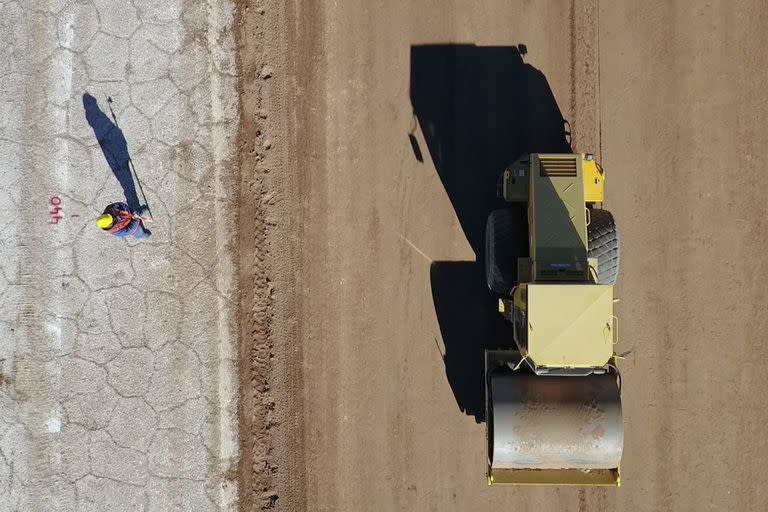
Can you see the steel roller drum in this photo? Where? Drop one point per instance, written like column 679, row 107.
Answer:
column 547, row 422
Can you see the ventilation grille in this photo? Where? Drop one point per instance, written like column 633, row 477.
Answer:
column 558, row 167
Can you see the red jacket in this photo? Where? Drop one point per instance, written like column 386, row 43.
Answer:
column 126, row 222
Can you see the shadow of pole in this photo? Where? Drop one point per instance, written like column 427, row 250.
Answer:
column 114, row 147
column 479, row 109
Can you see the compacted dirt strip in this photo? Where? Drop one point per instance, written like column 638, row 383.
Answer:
column 371, row 138
column 367, row 216
column 683, row 122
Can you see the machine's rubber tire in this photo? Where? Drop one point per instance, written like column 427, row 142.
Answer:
column 502, row 244
column 603, row 244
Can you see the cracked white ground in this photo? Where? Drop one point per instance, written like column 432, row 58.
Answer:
column 117, row 383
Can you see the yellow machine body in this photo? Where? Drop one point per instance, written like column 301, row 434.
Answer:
column 594, row 181
column 553, row 403
column 516, row 177
column 568, row 325
column 598, row 477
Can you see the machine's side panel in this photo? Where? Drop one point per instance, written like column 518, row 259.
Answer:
column 515, row 181
column 594, row 180
column 557, row 218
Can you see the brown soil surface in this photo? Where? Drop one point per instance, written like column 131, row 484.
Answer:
column 368, row 159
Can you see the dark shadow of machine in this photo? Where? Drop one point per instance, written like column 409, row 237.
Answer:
column 479, row 109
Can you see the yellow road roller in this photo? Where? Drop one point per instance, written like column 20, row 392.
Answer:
column 553, row 401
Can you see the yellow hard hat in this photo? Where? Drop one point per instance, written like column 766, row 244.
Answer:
column 104, row 221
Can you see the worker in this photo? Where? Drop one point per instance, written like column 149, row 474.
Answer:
column 119, row 220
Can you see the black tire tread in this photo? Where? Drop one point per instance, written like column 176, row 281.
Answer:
column 501, row 234
column 603, row 244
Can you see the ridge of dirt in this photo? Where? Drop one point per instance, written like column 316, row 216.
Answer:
column 256, row 483
column 279, row 76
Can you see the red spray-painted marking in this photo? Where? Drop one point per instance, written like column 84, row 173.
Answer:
column 55, row 202
column 57, row 210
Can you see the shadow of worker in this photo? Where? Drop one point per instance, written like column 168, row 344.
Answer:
column 114, row 147
column 479, row 108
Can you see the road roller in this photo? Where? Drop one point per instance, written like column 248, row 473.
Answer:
column 553, row 394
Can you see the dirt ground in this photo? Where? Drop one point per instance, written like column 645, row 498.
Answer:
column 371, row 138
